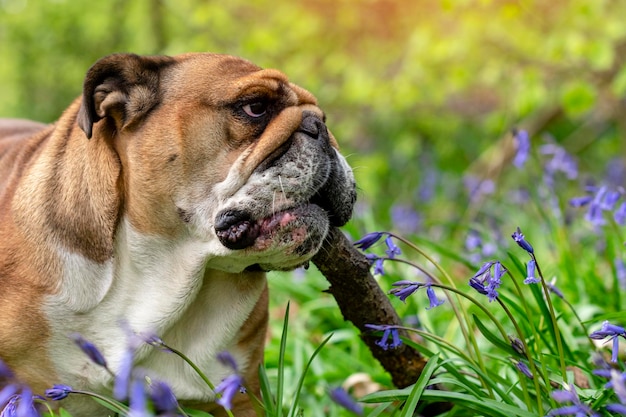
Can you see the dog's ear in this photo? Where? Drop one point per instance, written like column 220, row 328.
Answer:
column 122, row 87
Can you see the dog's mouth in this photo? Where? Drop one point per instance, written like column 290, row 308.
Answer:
column 239, row 230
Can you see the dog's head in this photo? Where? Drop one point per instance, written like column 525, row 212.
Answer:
column 214, row 148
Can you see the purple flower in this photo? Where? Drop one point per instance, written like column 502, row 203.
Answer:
column 580, row 201
column 530, row 273
column 517, row 345
column 341, row 397
column 561, row 161
column 594, row 215
column 405, row 288
column 610, row 200
column 619, row 215
column 89, row 349
column 613, row 333
column 569, row 395
column 518, row 237
column 7, row 392
column 478, row 280
column 229, row 386
column 10, row 409
column 618, row 380
column 389, row 332
column 225, row 358
column 392, row 249
column 58, row 392
column 523, row 147
column 26, row 407
column 473, row 240
column 554, row 290
column 432, row 298
column 137, row 402
column 617, row 408
column 163, row 398
column 494, row 282
column 484, row 276
column 5, row 372
column 378, row 267
column 406, row 219
column 125, row 366
column 368, row 240
column 523, row 368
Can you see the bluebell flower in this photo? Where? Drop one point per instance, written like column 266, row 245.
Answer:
column 122, row 382
column 137, row 399
column 89, row 349
column 26, row 406
column 483, row 275
column 487, row 283
column 392, row 249
column 341, row 397
column 152, row 339
column 405, row 219
column 517, row 345
column 473, row 240
column 569, row 395
column 389, row 332
column 10, row 409
column 523, row 147
column 432, row 298
column 561, row 161
column 617, row 408
column 58, row 392
column 530, row 273
column 523, row 368
column 618, row 382
column 225, row 358
column 163, row 398
column 518, row 237
column 7, row 392
column 613, row 332
column 228, row 388
column 620, row 214
column 580, row 201
column 494, row 282
column 554, row 290
column 368, row 240
column 478, row 187
column 5, row 372
column 405, row 288
column 378, row 267
column 610, row 200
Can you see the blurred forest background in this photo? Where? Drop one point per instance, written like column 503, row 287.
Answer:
column 417, row 92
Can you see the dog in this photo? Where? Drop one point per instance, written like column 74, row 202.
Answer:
column 156, row 203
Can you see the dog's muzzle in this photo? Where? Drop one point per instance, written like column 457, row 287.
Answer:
column 328, row 196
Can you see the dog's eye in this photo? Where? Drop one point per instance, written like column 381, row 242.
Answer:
column 256, row 109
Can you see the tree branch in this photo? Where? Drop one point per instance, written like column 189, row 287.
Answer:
column 362, row 302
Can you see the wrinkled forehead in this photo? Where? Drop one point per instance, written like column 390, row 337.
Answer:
column 224, row 79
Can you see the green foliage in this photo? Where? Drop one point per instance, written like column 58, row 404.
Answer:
column 420, row 94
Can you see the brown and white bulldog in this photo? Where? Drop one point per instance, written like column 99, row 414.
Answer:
column 159, row 199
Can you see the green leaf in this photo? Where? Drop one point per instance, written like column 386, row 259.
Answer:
column 495, row 340
column 420, row 385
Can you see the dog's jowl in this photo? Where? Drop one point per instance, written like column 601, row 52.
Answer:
column 154, row 205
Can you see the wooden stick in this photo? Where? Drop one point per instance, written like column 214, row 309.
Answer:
column 362, row 301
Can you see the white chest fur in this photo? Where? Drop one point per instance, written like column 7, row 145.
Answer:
column 154, row 286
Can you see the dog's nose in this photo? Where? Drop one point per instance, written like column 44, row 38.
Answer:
column 313, row 126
